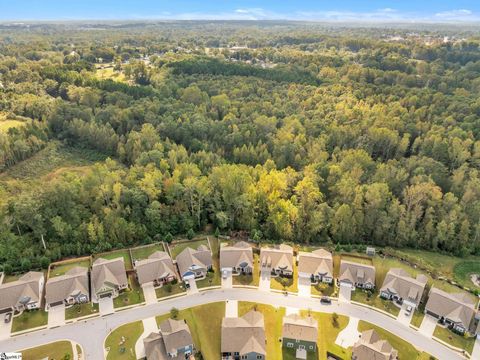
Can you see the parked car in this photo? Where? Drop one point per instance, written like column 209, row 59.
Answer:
column 408, row 312
column 224, row 274
column 8, row 317
column 325, row 300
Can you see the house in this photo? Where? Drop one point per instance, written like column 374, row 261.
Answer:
column 194, row 264
column 356, row 275
column 399, row 286
column 455, row 310
column 277, row 259
column 23, row 294
column 108, row 278
column 237, row 258
column 317, row 266
column 68, row 289
column 300, row 333
column 244, row 337
column 158, row 269
column 370, row 346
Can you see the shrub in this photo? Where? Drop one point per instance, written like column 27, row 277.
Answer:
column 190, row 234
column 174, row 313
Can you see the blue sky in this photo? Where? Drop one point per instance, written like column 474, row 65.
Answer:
column 372, row 10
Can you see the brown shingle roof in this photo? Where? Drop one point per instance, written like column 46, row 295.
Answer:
column 23, row 290
column 202, row 258
column 239, row 254
column 399, row 282
column 300, row 328
column 371, row 347
column 75, row 281
column 176, row 334
column 356, row 272
column 244, row 335
column 154, row 347
column 158, row 265
column 108, row 272
column 317, row 262
column 456, row 307
column 279, row 256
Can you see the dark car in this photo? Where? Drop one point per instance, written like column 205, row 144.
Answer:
column 325, row 300
column 8, row 317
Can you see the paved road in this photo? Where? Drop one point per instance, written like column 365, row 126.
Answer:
column 90, row 334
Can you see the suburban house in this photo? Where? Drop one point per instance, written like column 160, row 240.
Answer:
column 158, row 269
column 194, row 264
column 68, row 289
column 23, row 294
column 244, row 337
column 108, row 278
column 316, row 265
column 237, row 258
column 277, row 259
column 370, row 346
column 301, row 334
column 399, row 286
column 174, row 341
column 356, row 275
column 455, row 310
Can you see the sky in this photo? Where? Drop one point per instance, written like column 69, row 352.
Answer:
column 308, row 10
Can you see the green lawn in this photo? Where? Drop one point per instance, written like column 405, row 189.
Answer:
column 289, row 354
column 463, row 270
column 174, row 289
column 80, row 310
column 10, row 278
column 406, row 351
column 116, row 254
column 145, row 251
column 29, row 320
column 360, row 260
column 61, row 269
column 376, row 301
column 384, row 264
column 57, row 350
column 417, row 318
column 453, row 339
column 130, row 296
column 273, row 318
column 177, row 248
column 253, row 279
column 205, row 323
column 213, row 278
column 121, row 341
column 323, row 289
column 289, row 284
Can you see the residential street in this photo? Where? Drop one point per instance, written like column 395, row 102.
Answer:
column 90, row 334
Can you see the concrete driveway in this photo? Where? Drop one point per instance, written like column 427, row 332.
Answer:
column 193, row 287
column 105, row 306
column 231, row 308
column 345, row 293
column 348, row 336
column 476, row 349
column 149, row 326
column 149, row 293
column 56, row 316
column 227, row 282
column 304, row 287
column 5, row 328
column 265, row 277
column 428, row 326
column 404, row 317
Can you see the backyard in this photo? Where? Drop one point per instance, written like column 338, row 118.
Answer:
column 144, row 252
column 453, row 339
column 116, row 254
column 55, row 350
column 80, row 310
column 59, row 269
column 212, row 278
column 132, row 295
column 121, row 342
column 29, row 320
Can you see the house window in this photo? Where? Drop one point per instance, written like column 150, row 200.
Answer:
column 311, row 347
column 297, row 341
column 290, row 345
column 259, row 357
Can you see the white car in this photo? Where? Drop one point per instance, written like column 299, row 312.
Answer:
column 408, row 312
column 224, row 274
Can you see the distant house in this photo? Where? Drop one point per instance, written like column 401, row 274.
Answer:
column 399, row 286
column 68, row 289
column 455, row 310
column 194, row 264
column 174, row 341
column 157, row 269
column 278, row 260
column 370, row 346
column 300, row 333
column 108, row 278
column 23, row 294
column 317, row 266
column 357, row 275
column 237, row 258
column 244, row 337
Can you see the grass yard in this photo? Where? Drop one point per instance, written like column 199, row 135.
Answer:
column 80, row 310
column 10, row 278
column 116, row 254
column 417, row 318
column 213, row 278
column 205, row 323
column 273, row 318
column 253, row 279
column 144, row 252
column 177, row 248
column 61, row 269
column 463, row 270
column 166, row 290
column 323, row 289
column 453, row 339
column 121, row 341
column 361, row 259
column 29, row 320
column 376, row 301
column 289, row 284
column 130, row 296
column 290, row 354
column 405, row 349
column 55, row 350
column 384, row 264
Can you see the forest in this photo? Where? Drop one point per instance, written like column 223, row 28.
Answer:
column 310, row 133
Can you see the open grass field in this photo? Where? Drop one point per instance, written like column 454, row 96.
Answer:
column 61, row 269
column 29, row 320
column 273, row 318
column 144, row 252
column 132, row 295
column 205, row 323
column 453, row 339
column 116, row 254
column 177, row 248
column 109, row 73
column 463, row 270
column 405, row 349
column 80, row 310
column 253, row 279
column 56, row 350
column 121, row 341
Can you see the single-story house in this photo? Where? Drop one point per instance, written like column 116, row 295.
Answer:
column 244, row 337
column 316, row 265
column 370, row 346
column 158, row 269
column 277, row 259
column 399, row 286
column 455, row 310
column 237, row 258
column 194, row 264
column 300, row 333
column 23, row 294
column 68, row 289
column 357, row 275
column 108, row 278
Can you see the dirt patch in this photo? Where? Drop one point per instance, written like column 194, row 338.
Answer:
column 475, row 279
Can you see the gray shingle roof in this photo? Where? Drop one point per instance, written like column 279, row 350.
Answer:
column 24, row 290
column 59, row 288
column 300, row 328
column 399, row 282
column 158, row 265
column 279, row 256
column 244, row 335
column 371, row 347
column 234, row 256
column 110, row 272
column 317, row 262
column 176, row 334
column 201, row 258
column 356, row 272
